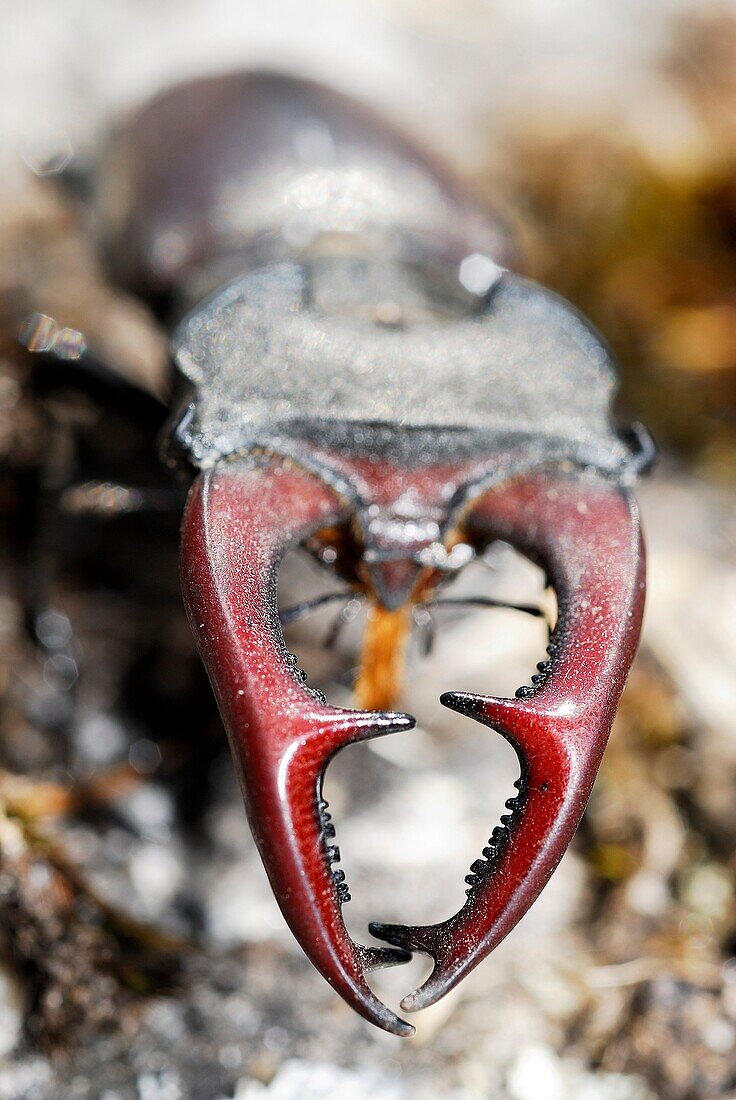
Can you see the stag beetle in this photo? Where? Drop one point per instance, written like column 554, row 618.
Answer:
column 361, row 373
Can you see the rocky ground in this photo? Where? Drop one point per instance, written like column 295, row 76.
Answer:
column 145, row 957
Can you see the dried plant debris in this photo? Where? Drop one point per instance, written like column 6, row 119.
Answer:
column 664, row 918
column 85, row 966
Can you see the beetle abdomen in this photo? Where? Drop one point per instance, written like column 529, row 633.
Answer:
column 217, row 174
column 356, row 284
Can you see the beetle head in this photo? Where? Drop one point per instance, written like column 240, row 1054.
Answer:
column 409, row 428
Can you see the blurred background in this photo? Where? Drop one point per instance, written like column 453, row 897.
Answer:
column 142, row 956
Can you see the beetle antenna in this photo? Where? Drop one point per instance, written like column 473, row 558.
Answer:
column 299, row 610
column 485, row 601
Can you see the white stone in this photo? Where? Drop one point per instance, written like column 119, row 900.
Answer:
column 11, row 1011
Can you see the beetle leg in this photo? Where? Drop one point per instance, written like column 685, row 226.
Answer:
column 586, row 533
column 240, row 519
